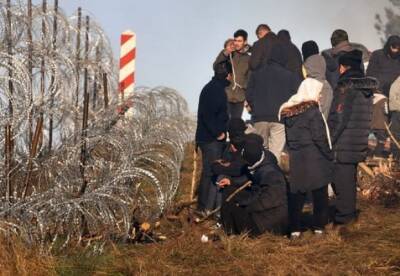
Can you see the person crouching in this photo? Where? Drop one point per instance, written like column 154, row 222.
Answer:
column 262, row 207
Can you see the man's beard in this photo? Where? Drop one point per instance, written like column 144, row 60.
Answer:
column 394, row 55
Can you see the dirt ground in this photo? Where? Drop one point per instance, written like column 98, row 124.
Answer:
column 369, row 247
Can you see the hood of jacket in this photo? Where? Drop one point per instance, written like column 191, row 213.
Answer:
column 315, row 67
column 278, row 55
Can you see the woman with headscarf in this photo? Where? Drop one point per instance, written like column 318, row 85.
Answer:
column 310, row 156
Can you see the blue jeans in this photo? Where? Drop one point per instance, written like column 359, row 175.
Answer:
column 208, row 194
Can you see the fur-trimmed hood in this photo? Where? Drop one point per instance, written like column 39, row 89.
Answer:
column 298, row 109
column 367, row 84
column 309, row 90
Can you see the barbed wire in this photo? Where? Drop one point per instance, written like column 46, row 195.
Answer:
column 131, row 165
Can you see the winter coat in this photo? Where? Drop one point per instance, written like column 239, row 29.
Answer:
column 351, row 115
column 266, row 202
column 383, row 67
column 261, row 51
column 294, row 58
column 240, row 65
column 270, row 86
column 310, row 157
column 315, row 67
column 212, row 114
column 394, row 96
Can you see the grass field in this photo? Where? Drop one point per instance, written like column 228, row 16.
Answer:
column 369, row 247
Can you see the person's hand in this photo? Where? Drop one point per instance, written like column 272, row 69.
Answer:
column 221, row 136
column 224, row 182
column 222, row 162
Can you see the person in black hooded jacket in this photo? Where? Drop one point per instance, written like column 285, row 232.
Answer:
column 350, row 123
column 384, row 64
column 263, row 206
column 212, row 119
column 268, row 88
column 294, row 61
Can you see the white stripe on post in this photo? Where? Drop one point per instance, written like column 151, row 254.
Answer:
column 127, row 67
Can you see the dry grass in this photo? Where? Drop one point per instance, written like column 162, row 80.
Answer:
column 369, row 247
column 18, row 259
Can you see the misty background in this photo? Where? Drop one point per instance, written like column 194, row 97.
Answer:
column 178, row 40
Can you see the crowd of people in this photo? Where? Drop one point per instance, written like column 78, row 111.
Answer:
column 327, row 111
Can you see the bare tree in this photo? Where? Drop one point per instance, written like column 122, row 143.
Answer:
column 391, row 25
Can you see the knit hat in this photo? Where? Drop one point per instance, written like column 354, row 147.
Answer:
column 236, row 127
column 252, row 152
column 222, row 70
column 240, row 141
column 352, row 59
column 309, row 48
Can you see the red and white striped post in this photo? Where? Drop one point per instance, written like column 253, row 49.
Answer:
column 127, row 68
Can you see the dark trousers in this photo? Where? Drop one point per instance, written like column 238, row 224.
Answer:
column 345, row 187
column 235, row 110
column 235, row 219
column 395, row 129
column 381, row 137
column 320, row 209
column 208, row 193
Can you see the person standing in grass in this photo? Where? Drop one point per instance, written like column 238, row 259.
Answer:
column 212, row 119
column 350, row 124
column 309, row 146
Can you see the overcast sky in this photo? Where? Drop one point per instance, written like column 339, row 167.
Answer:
column 179, row 39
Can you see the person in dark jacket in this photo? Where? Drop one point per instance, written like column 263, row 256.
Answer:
column 384, row 64
column 294, row 61
column 340, row 45
column 262, row 207
column 231, row 166
column 310, row 155
column 261, row 50
column 212, row 119
column 350, row 124
column 268, row 88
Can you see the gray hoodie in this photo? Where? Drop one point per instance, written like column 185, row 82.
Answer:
column 315, row 67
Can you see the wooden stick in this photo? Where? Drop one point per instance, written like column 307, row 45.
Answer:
column 229, row 198
column 241, row 188
column 95, row 85
column 194, row 175
column 30, row 69
column 8, row 147
column 32, row 154
column 42, row 73
column 77, row 62
column 392, row 136
column 85, row 112
column 105, row 90
column 52, row 77
column 366, row 169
